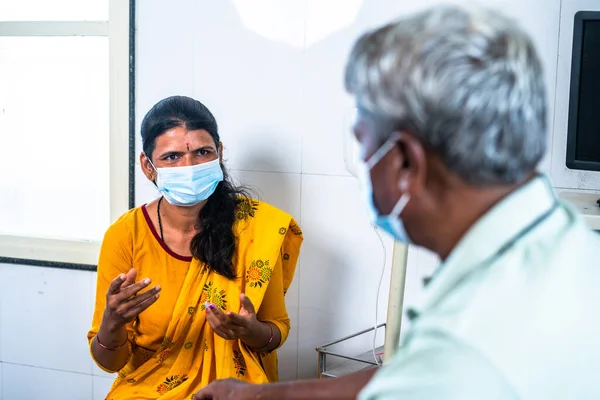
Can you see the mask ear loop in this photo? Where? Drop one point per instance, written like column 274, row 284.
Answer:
column 382, row 151
column 399, row 207
column 150, row 161
column 155, row 169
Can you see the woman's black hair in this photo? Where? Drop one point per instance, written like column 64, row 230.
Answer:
column 215, row 243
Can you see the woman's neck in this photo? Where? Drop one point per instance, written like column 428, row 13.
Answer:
column 183, row 219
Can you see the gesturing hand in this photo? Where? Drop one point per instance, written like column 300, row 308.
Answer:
column 123, row 303
column 232, row 326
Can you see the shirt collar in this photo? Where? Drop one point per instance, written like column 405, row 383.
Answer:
column 487, row 237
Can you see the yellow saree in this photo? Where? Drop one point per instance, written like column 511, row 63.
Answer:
column 191, row 354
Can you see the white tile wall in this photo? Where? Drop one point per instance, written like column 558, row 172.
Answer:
column 288, row 353
column 101, row 387
column 325, row 100
column 29, row 383
column 342, row 260
column 252, row 84
column 276, row 89
column 164, row 55
column 46, row 315
column 279, row 189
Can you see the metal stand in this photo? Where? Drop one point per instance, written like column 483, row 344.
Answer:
column 351, row 364
column 348, row 364
column 395, row 300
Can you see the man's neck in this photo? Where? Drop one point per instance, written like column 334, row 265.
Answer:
column 461, row 210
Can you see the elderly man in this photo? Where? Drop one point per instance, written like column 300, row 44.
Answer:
column 452, row 124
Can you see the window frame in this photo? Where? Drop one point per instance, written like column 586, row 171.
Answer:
column 120, row 30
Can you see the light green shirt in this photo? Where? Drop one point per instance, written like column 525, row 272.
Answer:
column 502, row 321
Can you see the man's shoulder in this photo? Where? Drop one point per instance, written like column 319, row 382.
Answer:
column 437, row 366
column 532, row 309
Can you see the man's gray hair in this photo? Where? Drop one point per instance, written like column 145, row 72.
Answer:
column 468, row 83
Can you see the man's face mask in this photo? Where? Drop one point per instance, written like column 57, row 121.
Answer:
column 391, row 223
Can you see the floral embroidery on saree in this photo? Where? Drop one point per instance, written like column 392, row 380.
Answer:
column 214, row 295
column 259, row 273
column 239, row 363
column 165, row 350
column 295, row 229
column 170, row 383
column 245, row 209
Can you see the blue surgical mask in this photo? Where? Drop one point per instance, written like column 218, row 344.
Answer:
column 189, row 185
column 391, row 223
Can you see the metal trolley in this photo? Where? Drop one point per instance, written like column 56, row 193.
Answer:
column 346, row 364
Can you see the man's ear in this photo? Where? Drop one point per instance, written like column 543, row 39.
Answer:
column 412, row 171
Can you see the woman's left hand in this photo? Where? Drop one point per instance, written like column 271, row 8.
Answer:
column 244, row 325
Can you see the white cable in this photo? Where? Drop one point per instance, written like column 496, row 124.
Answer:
column 377, row 297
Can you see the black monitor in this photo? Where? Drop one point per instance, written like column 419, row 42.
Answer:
column 583, row 136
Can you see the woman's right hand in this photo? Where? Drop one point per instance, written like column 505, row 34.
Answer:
column 123, row 303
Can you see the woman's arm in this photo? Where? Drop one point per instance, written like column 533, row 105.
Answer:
column 268, row 328
column 273, row 313
column 109, row 343
column 263, row 331
column 259, row 335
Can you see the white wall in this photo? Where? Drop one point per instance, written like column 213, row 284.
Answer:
column 283, row 114
column 276, row 91
column 44, row 316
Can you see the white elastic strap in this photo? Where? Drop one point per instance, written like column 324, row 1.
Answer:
column 150, row 161
column 382, row 151
column 400, row 204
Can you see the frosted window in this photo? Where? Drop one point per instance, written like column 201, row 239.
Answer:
column 54, row 10
column 54, row 163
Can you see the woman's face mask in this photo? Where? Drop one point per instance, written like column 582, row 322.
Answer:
column 189, row 185
column 391, row 223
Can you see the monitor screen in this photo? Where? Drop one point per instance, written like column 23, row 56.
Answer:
column 583, row 138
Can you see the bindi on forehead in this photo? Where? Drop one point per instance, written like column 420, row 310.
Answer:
column 195, row 139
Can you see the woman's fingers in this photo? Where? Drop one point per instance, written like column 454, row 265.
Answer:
column 220, row 323
column 219, row 328
column 121, row 282
column 238, row 320
column 246, row 306
column 129, row 278
column 131, row 290
column 215, row 317
column 141, row 306
column 115, row 285
column 140, row 298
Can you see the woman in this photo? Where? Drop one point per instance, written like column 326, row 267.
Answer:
column 191, row 286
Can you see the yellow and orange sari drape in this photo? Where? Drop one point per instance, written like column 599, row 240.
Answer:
column 191, row 354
